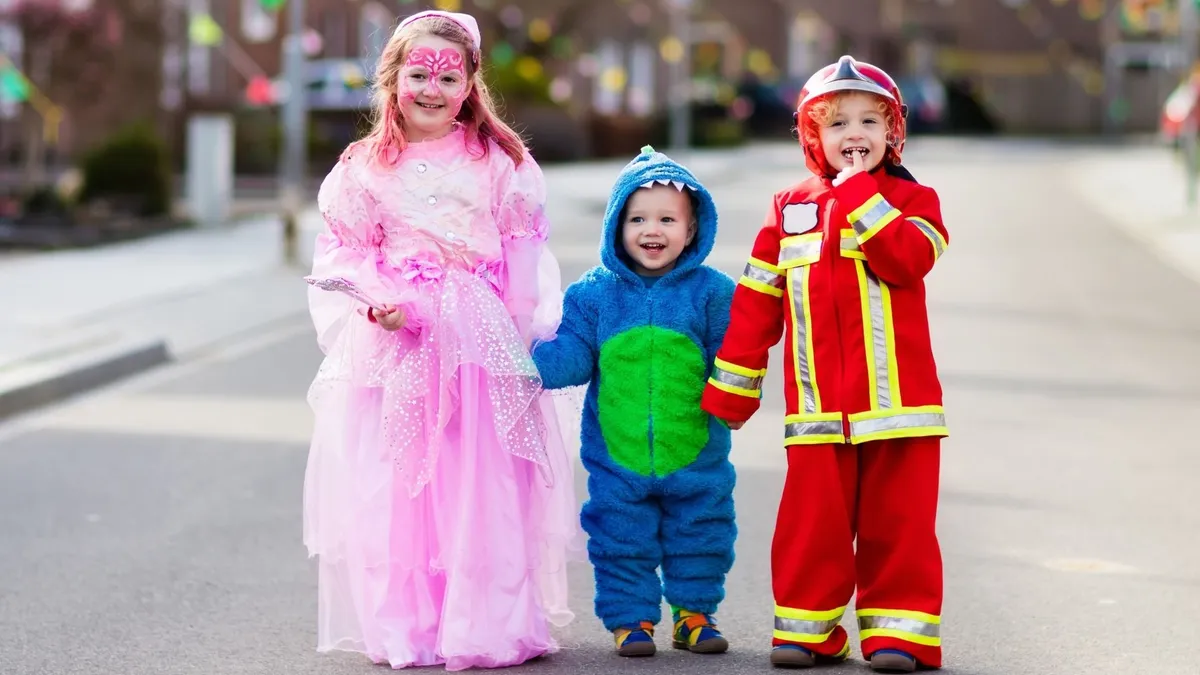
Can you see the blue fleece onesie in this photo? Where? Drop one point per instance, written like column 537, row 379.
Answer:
column 660, row 482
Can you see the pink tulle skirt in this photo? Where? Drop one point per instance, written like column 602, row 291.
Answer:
column 439, row 498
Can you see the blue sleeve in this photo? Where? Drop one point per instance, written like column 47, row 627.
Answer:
column 720, row 299
column 570, row 358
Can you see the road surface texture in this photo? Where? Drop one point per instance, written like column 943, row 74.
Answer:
column 153, row 528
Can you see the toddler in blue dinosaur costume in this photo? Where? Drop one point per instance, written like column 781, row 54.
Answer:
column 643, row 329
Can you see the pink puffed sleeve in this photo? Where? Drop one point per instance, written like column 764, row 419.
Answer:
column 533, row 281
column 349, row 248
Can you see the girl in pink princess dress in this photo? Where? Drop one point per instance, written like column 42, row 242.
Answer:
column 438, row 495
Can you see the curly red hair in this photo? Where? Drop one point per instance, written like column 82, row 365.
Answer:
column 821, row 113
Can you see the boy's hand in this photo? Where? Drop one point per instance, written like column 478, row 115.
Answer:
column 734, row 426
column 856, row 167
column 391, row 319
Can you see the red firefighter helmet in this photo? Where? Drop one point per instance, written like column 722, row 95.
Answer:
column 844, row 76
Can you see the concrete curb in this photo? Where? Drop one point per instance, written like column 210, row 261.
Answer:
column 39, row 384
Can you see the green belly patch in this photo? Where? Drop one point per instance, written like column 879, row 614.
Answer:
column 651, row 381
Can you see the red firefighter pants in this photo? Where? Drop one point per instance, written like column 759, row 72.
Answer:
column 884, row 493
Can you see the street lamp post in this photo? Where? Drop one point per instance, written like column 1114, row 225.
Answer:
column 293, row 171
column 681, row 75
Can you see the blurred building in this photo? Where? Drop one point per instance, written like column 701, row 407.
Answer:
column 583, row 72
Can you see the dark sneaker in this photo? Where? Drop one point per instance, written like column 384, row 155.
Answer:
column 893, row 661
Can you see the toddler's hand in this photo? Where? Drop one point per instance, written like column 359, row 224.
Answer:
column 734, row 426
column 392, row 320
column 856, row 167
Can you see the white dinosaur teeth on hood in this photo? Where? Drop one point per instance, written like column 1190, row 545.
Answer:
column 677, row 184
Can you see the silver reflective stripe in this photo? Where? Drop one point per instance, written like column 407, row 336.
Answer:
column 849, row 244
column 806, row 627
column 901, row 421
column 735, row 380
column 763, row 276
column 912, row 626
column 799, row 279
column 933, row 235
column 826, row 428
column 870, row 218
column 808, row 249
column 878, row 339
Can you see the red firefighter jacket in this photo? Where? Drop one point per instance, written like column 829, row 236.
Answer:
column 840, row 272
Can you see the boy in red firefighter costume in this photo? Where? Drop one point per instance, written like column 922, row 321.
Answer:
column 838, row 269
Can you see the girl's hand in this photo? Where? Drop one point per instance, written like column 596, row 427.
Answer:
column 856, row 167
column 391, row 319
column 734, row 426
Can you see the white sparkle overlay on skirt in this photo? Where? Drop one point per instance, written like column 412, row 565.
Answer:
column 416, row 376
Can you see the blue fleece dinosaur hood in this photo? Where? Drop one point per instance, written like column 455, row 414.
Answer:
column 650, row 166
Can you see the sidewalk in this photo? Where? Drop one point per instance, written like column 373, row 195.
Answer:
column 71, row 321
column 74, row 320
column 1143, row 189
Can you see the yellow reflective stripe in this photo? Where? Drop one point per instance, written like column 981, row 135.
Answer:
column 802, row 339
column 808, row 614
column 912, row 422
column 801, row 249
column 857, row 214
column 900, row 614
column 871, row 217
column 734, row 389
column 739, row 370
column 868, row 334
column 931, row 233
column 797, row 625
column 916, row 627
column 849, row 245
column 764, row 265
column 735, row 379
column 900, row 635
column 889, row 328
column 879, row 340
column 761, row 287
column 763, row 277
column 813, row 429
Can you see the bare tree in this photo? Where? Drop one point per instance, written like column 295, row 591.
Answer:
column 72, row 55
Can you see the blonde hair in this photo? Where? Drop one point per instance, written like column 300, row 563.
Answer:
column 822, row 113
column 386, row 139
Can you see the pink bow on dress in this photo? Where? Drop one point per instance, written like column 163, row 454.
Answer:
column 490, row 272
column 417, row 270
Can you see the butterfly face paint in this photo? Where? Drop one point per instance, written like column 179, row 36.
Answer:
column 434, row 78
column 431, row 87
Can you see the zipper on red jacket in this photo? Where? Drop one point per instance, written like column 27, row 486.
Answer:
column 835, row 259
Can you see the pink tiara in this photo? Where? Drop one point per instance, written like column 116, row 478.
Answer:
column 466, row 21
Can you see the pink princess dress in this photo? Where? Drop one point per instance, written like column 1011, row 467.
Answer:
column 438, row 496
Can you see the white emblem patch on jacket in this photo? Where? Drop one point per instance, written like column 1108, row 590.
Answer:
column 799, row 218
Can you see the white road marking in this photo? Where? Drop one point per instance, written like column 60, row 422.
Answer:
column 79, row 413
column 221, row 418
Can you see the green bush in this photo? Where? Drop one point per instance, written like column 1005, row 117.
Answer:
column 507, row 83
column 130, row 168
column 44, row 200
column 719, row 133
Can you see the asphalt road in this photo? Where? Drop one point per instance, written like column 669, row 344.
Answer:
column 154, row 528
